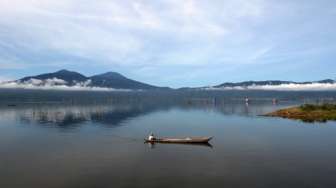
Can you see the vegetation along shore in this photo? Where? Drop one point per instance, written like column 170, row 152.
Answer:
column 308, row 113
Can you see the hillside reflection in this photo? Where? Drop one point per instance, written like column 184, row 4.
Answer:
column 111, row 115
column 66, row 116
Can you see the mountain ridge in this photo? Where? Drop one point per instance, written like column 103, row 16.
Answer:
column 269, row 82
column 115, row 80
column 68, row 76
column 71, row 78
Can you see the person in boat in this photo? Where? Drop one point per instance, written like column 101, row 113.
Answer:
column 151, row 137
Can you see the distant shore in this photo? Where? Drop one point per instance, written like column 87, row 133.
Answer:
column 308, row 113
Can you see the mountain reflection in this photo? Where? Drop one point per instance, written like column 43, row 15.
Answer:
column 115, row 114
column 70, row 116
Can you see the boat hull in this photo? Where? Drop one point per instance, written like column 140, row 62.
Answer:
column 188, row 140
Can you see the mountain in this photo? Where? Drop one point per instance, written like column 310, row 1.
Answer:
column 70, row 78
column 251, row 83
column 327, row 81
column 66, row 79
column 269, row 83
column 118, row 81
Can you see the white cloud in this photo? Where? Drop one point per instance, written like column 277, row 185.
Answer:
column 128, row 34
column 54, row 84
column 114, row 30
column 284, row 87
column 4, row 79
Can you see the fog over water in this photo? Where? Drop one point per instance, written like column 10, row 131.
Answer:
column 59, row 84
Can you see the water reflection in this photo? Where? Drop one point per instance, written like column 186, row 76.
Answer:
column 249, row 151
column 239, row 107
column 111, row 115
column 70, row 116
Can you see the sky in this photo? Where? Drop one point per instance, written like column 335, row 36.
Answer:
column 173, row 43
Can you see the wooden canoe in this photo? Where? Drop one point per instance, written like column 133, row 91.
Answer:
column 181, row 140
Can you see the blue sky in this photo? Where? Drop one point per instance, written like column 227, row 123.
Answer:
column 170, row 42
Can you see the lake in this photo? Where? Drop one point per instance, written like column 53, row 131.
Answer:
column 95, row 139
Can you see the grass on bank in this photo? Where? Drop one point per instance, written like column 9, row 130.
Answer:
column 308, row 113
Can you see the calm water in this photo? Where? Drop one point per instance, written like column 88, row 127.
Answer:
column 100, row 144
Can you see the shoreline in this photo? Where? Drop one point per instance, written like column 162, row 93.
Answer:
column 307, row 113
